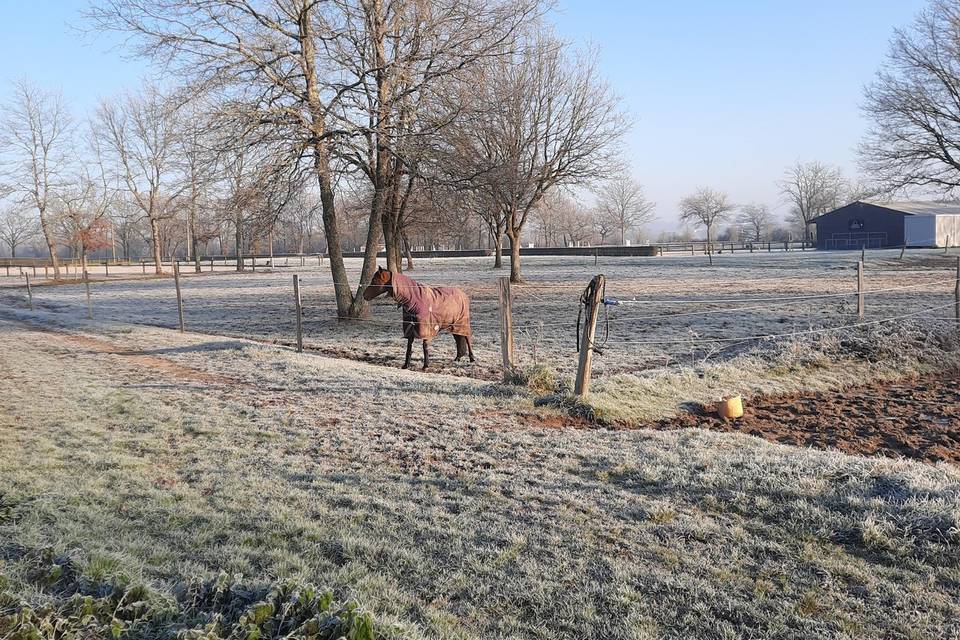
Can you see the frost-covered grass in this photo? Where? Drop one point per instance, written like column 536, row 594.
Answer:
column 650, row 330
column 427, row 499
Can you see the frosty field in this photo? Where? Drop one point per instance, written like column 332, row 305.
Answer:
column 676, row 310
column 447, row 504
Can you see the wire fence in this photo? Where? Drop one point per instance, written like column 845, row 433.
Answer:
column 640, row 325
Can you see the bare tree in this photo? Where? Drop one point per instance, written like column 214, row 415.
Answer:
column 36, row 130
column 281, row 64
column 141, row 132
column 914, row 103
column 757, row 218
column 17, row 227
column 811, row 189
column 623, row 202
column 197, row 165
column 544, row 121
column 706, row 207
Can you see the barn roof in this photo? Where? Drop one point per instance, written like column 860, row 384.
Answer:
column 920, row 208
column 909, row 207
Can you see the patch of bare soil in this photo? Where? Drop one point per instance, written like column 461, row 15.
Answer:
column 438, row 364
column 917, row 419
column 140, row 358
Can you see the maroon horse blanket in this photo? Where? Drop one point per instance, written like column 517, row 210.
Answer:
column 429, row 310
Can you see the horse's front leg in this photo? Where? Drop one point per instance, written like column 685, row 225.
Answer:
column 426, row 354
column 406, row 363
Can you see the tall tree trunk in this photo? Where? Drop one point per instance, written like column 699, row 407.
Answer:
column 238, row 238
column 497, row 249
column 331, row 229
column 407, row 251
column 514, row 256
column 51, row 244
column 193, row 233
column 155, row 240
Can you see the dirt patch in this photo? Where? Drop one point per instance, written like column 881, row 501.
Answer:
column 140, row 358
column 917, row 419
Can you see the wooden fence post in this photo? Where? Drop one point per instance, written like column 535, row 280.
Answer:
column 860, row 290
column 956, row 294
column 596, row 256
column 86, row 282
column 30, row 293
column 46, row 272
column 863, row 253
column 506, row 327
column 582, row 385
column 176, row 282
column 902, row 249
column 297, row 301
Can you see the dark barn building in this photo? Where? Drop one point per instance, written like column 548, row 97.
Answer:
column 860, row 224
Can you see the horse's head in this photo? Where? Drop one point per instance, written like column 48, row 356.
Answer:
column 379, row 284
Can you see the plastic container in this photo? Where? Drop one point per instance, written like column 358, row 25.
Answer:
column 730, row 407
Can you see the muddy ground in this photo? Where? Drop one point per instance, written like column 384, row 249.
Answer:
column 917, row 418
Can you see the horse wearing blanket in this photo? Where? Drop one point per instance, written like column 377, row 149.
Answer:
column 426, row 311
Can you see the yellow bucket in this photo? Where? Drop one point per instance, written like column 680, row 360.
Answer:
column 730, row 407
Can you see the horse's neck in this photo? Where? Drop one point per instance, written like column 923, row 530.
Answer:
column 402, row 289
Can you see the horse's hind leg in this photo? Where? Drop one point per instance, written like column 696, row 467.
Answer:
column 406, row 363
column 469, row 341
column 426, row 354
column 462, row 348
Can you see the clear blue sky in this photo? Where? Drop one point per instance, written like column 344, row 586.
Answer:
column 724, row 94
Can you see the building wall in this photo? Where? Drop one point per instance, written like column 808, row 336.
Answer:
column 948, row 231
column 920, row 231
column 860, row 224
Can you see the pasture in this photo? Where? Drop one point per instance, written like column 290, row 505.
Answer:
column 450, row 505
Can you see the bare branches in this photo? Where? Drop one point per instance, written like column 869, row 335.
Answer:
column 914, row 104
column 36, row 131
column 706, row 207
column 622, row 201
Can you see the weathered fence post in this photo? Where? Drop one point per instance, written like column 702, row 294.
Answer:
column 46, row 272
column 299, row 304
column 863, row 253
column 30, row 293
column 946, row 247
column 176, row 282
column 596, row 256
column 860, row 290
column 956, row 294
column 902, row 249
column 34, row 270
column 86, row 282
column 106, row 269
column 582, row 385
column 506, row 327
column 143, row 266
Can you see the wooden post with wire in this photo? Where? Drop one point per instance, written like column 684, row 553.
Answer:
column 30, row 293
column 86, row 282
column 582, row 385
column 506, row 327
column 297, row 301
column 860, row 305
column 176, row 282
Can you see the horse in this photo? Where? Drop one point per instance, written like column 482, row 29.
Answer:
column 426, row 311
